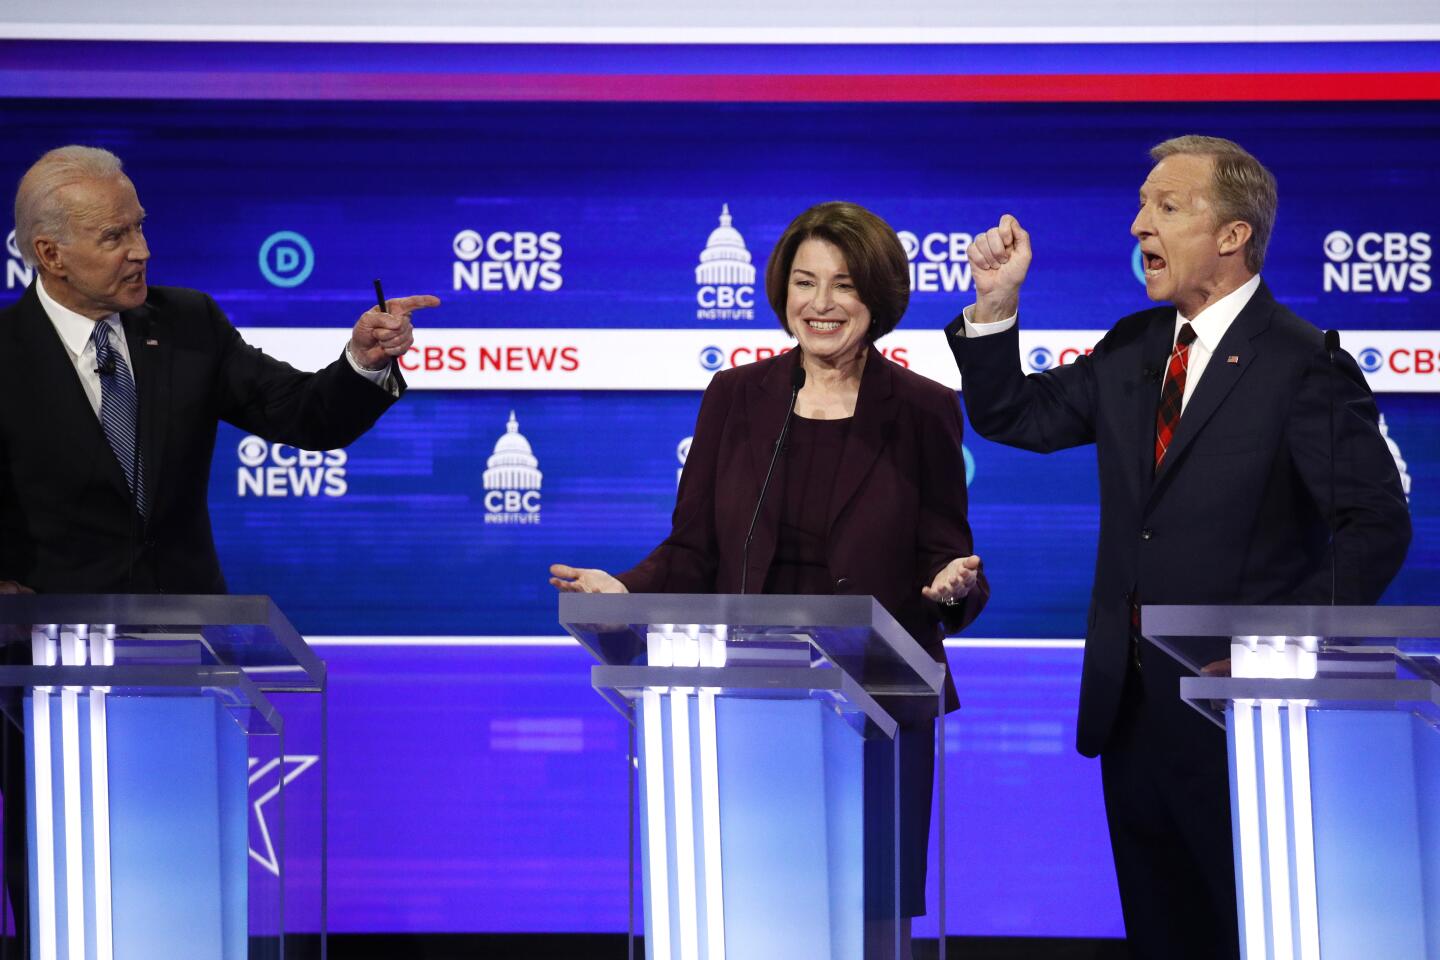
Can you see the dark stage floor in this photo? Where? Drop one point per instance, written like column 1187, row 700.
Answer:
column 614, row 947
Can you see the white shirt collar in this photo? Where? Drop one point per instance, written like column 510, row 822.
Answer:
column 1212, row 322
column 75, row 329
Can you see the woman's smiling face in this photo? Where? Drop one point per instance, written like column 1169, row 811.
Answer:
column 823, row 309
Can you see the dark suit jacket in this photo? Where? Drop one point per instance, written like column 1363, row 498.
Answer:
column 67, row 521
column 1239, row 510
column 897, row 509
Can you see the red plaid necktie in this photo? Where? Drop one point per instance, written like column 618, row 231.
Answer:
column 1172, row 393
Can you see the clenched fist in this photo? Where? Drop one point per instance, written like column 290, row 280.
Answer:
column 999, row 260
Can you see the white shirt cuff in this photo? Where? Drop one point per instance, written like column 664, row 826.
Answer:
column 986, row 329
column 381, row 378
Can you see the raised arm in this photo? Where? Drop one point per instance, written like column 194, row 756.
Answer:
column 1043, row 412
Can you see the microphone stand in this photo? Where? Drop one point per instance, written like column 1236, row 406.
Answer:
column 797, row 380
column 1332, row 344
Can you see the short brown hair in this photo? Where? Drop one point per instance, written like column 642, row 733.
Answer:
column 1241, row 187
column 873, row 255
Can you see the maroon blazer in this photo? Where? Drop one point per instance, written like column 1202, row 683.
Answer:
column 897, row 509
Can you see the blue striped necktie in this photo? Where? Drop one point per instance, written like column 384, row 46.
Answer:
column 119, row 409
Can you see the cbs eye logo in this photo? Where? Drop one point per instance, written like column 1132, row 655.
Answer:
column 712, row 358
column 253, row 451
column 1041, row 359
column 468, row 245
column 1339, row 246
column 1370, row 359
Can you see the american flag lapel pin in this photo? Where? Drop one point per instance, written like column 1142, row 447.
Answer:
column 152, row 343
column 1232, row 359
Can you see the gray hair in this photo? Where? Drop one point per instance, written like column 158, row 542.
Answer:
column 39, row 209
column 1241, row 188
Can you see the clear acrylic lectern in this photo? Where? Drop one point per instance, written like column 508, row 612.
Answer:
column 150, row 764
column 1333, row 718
column 768, row 789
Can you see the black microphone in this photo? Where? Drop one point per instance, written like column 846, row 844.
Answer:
column 797, row 380
column 107, row 369
column 1151, row 373
column 1332, row 346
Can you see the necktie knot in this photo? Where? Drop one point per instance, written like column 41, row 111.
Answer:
column 104, row 348
column 1186, row 336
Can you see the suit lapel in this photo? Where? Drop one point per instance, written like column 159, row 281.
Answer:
column 150, row 360
column 1155, row 356
column 66, row 404
column 1219, row 378
column 874, row 408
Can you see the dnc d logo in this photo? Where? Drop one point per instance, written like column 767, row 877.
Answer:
column 286, row 259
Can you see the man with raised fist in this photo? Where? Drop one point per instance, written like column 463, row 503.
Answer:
column 1223, row 479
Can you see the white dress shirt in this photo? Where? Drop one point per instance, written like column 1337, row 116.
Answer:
column 1210, row 326
column 75, row 331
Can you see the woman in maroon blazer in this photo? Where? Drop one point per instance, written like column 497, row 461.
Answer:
column 869, row 493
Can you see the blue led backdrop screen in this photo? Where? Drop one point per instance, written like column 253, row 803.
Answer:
column 482, row 788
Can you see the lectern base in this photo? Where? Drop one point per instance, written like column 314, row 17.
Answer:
column 777, row 801
column 1337, row 831
column 145, row 799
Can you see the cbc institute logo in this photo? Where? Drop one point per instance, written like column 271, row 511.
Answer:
column 512, row 479
column 725, row 278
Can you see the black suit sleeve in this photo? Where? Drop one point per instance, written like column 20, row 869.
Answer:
column 1043, row 412
column 685, row 561
column 330, row 408
column 1371, row 533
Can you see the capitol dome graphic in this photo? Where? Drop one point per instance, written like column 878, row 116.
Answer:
column 1400, row 464
column 512, row 466
column 725, row 259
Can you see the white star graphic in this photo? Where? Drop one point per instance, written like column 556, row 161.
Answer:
column 294, row 765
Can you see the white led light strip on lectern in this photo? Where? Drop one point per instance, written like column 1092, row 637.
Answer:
column 1307, row 900
column 1247, row 817
column 1277, row 836
column 684, row 824
column 72, row 654
column 659, row 915
column 1277, row 843
column 73, row 647
column 43, row 646
column 102, row 654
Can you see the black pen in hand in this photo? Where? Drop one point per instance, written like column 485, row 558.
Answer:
column 380, row 299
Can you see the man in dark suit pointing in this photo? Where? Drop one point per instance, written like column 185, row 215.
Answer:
column 110, row 395
column 111, row 390
column 1212, row 423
